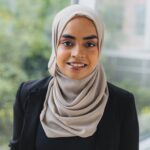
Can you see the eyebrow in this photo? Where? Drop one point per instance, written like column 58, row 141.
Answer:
column 68, row 36
column 90, row 37
column 84, row 38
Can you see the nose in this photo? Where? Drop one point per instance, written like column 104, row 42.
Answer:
column 78, row 52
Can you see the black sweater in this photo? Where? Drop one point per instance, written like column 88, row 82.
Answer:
column 63, row 143
column 117, row 130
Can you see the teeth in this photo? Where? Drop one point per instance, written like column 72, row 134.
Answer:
column 77, row 65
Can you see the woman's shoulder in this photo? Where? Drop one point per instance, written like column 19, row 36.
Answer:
column 34, row 85
column 121, row 102
column 121, row 98
column 118, row 91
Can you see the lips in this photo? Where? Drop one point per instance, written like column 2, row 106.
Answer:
column 77, row 64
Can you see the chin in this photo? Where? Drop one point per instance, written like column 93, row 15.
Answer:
column 76, row 77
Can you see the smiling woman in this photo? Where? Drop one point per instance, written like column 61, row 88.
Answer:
column 75, row 108
column 77, row 53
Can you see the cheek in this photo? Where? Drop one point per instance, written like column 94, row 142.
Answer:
column 94, row 58
column 62, row 55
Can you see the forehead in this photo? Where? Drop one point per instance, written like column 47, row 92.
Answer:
column 80, row 25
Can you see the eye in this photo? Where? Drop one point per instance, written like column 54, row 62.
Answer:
column 89, row 44
column 67, row 43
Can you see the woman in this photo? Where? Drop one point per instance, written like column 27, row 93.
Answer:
column 75, row 108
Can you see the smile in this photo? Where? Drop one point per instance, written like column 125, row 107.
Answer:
column 77, row 65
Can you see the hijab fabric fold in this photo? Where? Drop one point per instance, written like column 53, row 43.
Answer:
column 73, row 107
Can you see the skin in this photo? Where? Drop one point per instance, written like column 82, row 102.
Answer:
column 77, row 52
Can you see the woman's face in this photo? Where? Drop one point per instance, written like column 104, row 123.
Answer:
column 77, row 52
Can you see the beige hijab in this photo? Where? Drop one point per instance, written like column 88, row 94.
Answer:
column 73, row 107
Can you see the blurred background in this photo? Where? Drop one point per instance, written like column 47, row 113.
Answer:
column 25, row 48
